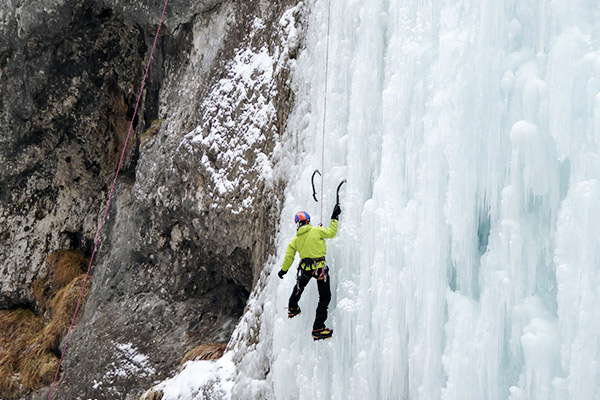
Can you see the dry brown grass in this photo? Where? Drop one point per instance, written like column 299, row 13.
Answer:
column 63, row 306
column 152, row 395
column 39, row 288
column 37, row 367
column 28, row 345
column 63, row 267
column 207, row 351
column 66, row 266
column 18, row 330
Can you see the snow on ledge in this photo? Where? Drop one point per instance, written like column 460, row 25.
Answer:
column 200, row 380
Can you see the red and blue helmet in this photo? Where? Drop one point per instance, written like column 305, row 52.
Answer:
column 302, row 218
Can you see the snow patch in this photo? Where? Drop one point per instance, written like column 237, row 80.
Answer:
column 237, row 114
column 201, row 380
column 129, row 362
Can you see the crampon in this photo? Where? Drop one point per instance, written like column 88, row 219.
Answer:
column 320, row 334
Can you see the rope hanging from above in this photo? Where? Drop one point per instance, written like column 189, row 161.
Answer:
column 325, row 106
column 112, row 189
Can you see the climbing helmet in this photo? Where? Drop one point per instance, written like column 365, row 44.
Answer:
column 302, row 218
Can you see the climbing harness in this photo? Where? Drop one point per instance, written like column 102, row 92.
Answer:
column 112, row 189
column 310, row 264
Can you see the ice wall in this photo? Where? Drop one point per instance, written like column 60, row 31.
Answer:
column 467, row 263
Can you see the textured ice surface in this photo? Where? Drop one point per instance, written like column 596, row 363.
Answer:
column 467, row 263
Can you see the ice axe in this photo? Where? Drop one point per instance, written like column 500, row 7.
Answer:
column 338, row 192
column 312, row 180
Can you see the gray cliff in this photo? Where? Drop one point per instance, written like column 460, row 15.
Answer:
column 195, row 208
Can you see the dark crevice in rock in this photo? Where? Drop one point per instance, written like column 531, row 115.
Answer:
column 26, row 305
column 77, row 240
column 105, row 14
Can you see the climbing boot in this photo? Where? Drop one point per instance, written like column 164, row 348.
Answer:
column 324, row 333
column 292, row 312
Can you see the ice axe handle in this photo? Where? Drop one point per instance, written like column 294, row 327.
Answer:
column 338, row 191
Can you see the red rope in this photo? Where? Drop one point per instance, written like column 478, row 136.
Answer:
column 325, row 106
column 112, row 189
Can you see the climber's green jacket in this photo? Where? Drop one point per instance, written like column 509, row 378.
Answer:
column 309, row 243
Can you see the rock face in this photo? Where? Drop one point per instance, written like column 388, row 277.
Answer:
column 196, row 204
column 66, row 98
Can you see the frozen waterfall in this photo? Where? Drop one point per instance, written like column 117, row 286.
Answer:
column 467, row 264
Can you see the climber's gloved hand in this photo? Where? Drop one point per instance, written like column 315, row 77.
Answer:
column 336, row 212
column 281, row 273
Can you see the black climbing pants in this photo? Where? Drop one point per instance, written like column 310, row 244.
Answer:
column 322, row 277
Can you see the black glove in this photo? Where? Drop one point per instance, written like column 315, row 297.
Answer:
column 281, row 273
column 336, row 212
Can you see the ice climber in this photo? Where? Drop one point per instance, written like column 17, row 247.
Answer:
column 310, row 244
